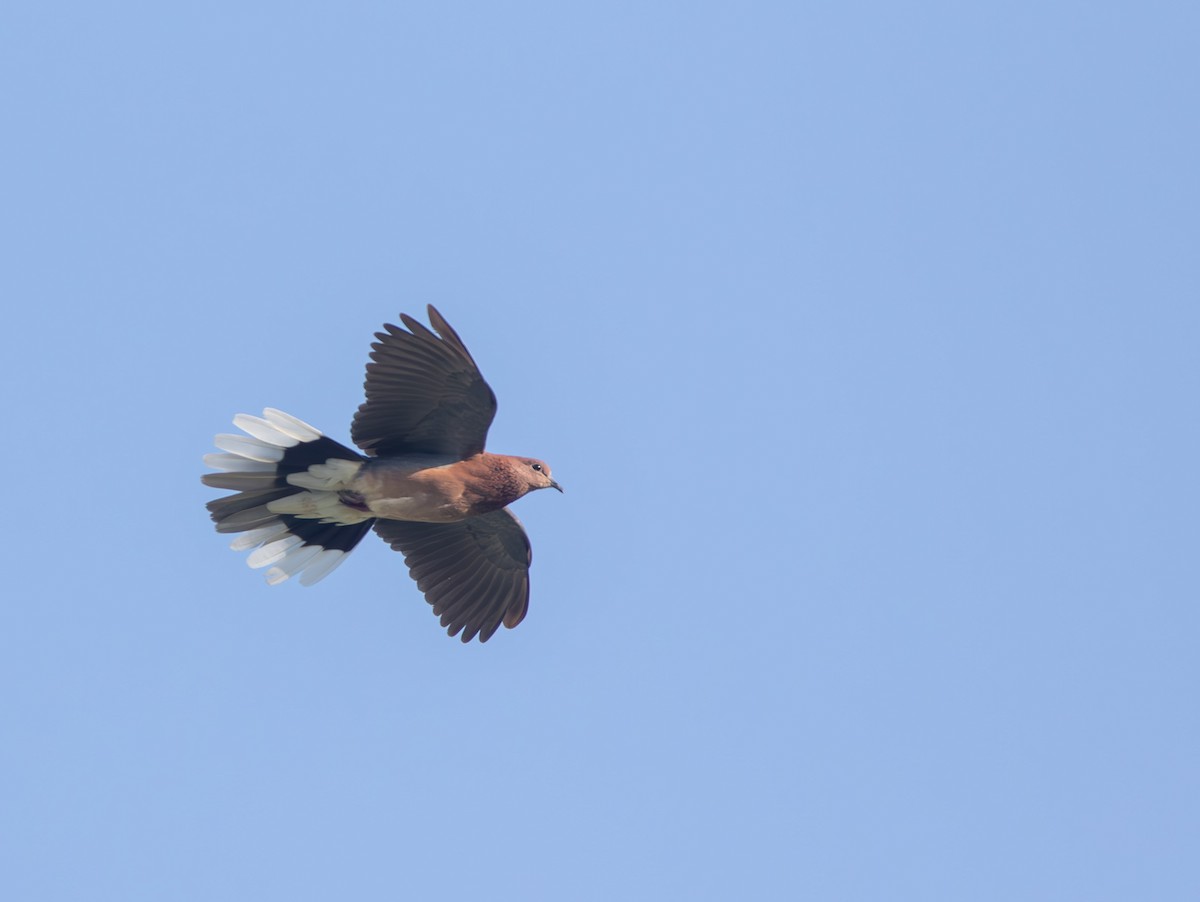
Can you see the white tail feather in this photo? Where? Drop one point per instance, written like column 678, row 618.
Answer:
column 322, row 565
column 250, row 448
column 295, row 560
column 290, row 425
column 235, row 463
column 273, row 552
column 260, row 536
column 264, row 431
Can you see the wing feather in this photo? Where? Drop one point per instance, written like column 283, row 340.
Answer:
column 474, row 572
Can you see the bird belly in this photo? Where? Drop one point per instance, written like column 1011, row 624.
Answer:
column 422, row 507
column 416, row 488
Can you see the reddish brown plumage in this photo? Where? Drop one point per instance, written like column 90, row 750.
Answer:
column 431, row 490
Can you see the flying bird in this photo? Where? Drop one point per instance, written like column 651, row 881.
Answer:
column 423, row 483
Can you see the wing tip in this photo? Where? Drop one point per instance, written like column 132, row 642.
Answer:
column 446, row 331
column 516, row 613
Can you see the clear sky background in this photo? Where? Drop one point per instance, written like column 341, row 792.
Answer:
column 863, row 337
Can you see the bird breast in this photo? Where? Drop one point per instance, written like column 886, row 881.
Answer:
column 433, row 490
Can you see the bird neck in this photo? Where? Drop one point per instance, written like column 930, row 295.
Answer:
column 493, row 482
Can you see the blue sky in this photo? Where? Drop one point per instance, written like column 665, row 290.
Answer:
column 862, row 336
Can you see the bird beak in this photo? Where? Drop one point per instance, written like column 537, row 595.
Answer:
column 555, row 485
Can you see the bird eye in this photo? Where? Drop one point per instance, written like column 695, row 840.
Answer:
column 538, row 467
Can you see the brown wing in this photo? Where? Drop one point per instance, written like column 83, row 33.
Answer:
column 424, row 394
column 474, row 572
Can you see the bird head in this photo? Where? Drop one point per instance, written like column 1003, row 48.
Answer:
column 537, row 474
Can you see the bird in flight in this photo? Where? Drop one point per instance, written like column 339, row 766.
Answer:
column 423, row 483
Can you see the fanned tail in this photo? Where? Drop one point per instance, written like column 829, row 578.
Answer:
column 287, row 476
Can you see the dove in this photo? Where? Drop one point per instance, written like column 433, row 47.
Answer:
column 423, row 482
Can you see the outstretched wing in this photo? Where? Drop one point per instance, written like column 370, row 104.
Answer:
column 424, row 394
column 474, row 572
